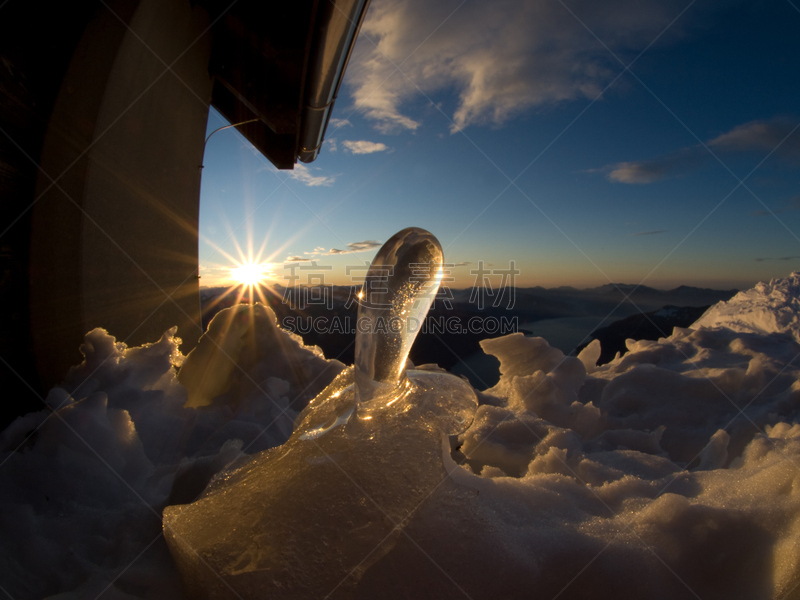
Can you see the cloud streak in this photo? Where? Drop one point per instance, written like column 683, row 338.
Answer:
column 756, row 136
column 792, row 205
column 654, row 232
column 782, row 258
column 352, row 248
column 649, row 171
column 497, row 66
column 762, row 136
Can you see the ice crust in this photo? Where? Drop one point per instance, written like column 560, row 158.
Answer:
column 308, row 518
column 671, row 472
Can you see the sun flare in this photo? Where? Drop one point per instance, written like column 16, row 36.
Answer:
column 251, row 274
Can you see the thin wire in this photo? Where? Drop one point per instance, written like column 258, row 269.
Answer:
column 220, row 129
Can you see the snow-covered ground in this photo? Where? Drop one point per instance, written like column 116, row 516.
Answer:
column 772, row 307
column 671, row 472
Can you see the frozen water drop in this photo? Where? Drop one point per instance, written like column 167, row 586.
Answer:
column 397, row 293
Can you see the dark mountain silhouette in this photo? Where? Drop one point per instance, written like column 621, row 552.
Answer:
column 647, row 326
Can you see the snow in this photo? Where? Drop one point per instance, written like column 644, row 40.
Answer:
column 671, row 472
column 667, row 312
column 772, row 307
column 82, row 488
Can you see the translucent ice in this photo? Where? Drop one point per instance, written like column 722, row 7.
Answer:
column 307, row 519
column 397, row 293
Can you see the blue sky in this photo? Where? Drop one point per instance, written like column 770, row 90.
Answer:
column 513, row 131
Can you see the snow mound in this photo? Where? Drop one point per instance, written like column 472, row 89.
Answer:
column 83, row 483
column 670, row 472
column 772, row 307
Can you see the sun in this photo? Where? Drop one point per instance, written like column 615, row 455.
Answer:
column 251, row 274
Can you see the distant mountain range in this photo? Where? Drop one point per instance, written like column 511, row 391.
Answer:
column 525, row 306
column 619, row 300
column 537, row 303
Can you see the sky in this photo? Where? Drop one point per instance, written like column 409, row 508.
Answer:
column 579, row 143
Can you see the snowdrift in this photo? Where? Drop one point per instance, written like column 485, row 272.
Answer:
column 669, row 473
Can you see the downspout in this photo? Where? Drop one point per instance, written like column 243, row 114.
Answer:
column 340, row 21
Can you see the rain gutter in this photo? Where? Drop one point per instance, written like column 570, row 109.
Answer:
column 340, row 21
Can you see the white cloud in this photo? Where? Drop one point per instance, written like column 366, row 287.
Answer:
column 339, row 123
column 331, row 142
column 303, row 174
column 364, row 147
column 501, row 57
column 352, row 247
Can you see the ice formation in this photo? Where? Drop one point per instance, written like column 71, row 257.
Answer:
column 671, row 472
column 308, row 518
